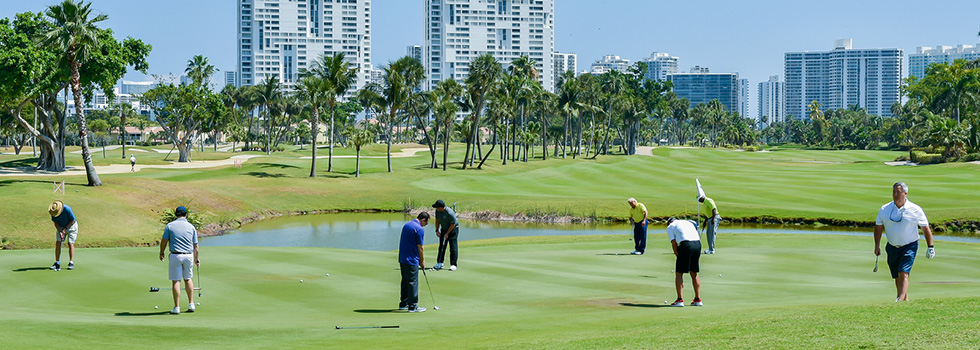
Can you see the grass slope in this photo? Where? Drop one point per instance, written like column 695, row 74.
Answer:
column 789, row 183
column 775, row 291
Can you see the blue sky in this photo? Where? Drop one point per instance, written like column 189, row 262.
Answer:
column 748, row 37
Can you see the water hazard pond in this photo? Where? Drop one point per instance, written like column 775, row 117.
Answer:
column 380, row 232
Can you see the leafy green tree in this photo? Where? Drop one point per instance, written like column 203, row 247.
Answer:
column 200, row 70
column 181, row 110
column 484, row 75
column 357, row 138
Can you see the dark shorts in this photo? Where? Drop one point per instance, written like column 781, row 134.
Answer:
column 900, row 259
column 688, row 255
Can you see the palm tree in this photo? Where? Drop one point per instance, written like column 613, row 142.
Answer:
column 313, row 89
column 445, row 107
column 123, row 110
column 484, row 74
column 267, row 95
column 357, row 138
column 200, row 70
column 339, row 76
column 76, row 34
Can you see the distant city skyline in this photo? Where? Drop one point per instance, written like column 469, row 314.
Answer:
column 748, row 38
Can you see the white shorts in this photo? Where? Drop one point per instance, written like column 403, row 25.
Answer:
column 181, row 266
column 70, row 234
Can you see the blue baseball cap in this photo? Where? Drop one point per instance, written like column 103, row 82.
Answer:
column 181, row 211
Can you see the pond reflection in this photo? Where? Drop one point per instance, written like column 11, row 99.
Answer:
column 380, row 231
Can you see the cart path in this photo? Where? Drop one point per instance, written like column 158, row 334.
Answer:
column 122, row 168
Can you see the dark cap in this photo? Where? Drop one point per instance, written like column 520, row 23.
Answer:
column 670, row 220
column 439, row 204
column 181, row 211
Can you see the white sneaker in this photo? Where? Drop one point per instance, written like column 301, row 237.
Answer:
column 438, row 266
column 191, row 308
column 678, row 303
column 452, row 268
column 418, row 309
column 697, row 302
column 175, row 311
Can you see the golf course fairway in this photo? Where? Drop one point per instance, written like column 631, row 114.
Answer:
column 556, row 292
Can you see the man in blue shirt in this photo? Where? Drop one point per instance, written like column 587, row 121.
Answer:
column 182, row 237
column 67, row 227
column 411, row 259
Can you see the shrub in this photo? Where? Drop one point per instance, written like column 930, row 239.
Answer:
column 926, row 158
column 751, row 148
column 972, row 157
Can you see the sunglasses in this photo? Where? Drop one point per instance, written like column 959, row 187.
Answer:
column 897, row 212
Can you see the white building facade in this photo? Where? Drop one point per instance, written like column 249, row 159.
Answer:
column 925, row 56
column 610, row 63
column 843, row 77
column 282, row 37
column 564, row 62
column 660, row 65
column 414, row 51
column 458, row 31
column 743, row 98
column 771, row 100
column 231, row 78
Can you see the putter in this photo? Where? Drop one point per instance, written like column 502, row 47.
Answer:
column 430, row 290
column 362, row 327
column 876, row 264
column 198, row 288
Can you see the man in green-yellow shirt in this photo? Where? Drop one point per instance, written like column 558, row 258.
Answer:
column 638, row 219
column 711, row 224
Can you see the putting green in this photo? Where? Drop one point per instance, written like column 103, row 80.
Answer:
column 760, row 291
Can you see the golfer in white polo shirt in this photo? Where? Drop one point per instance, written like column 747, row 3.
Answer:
column 901, row 220
column 182, row 237
column 686, row 242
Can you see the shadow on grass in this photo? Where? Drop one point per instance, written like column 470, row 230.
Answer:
column 17, row 163
column 264, row 175
column 280, row 166
column 623, row 254
column 375, row 311
column 643, row 305
column 646, row 276
column 49, row 182
column 23, row 269
column 156, row 313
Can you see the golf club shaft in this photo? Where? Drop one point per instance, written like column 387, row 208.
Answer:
column 430, row 288
column 362, row 327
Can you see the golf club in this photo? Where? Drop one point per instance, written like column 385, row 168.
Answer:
column 430, row 290
column 876, row 263
column 362, row 327
column 198, row 288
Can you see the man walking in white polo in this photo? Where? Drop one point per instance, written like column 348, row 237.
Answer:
column 182, row 237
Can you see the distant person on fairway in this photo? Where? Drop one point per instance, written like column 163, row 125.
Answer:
column 67, row 228
column 182, row 237
column 638, row 219
column 711, row 224
column 901, row 220
column 686, row 242
column 447, row 229
column 132, row 162
column 411, row 259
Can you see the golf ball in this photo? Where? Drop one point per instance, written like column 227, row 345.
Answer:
column 719, row 275
column 328, row 275
column 671, row 270
column 156, row 307
column 198, row 303
column 665, row 301
column 300, row 281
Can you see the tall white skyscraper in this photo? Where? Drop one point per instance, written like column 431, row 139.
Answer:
column 414, row 51
column 843, row 77
column 282, row 37
column 925, row 56
column 743, row 98
column 457, row 31
column 660, row 65
column 771, row 101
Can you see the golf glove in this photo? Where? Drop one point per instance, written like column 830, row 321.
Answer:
column 931, row 253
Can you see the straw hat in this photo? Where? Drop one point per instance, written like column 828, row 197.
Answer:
column 56, row 208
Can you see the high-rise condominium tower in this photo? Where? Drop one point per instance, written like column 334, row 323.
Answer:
column 925, row 56
column 457, row 31
column 843, row 77
column 282, row 37
column 660, row 65
column 771, row 100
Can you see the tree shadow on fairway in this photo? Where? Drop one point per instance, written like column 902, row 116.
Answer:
column 155, row 313
column 280, row 166
column 47, row 182
column 263, row 174
column 19, row 163
column 643, row 305
column 623, row 254
column 31, row 269
column 375, row 311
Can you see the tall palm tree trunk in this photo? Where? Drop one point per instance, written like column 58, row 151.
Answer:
column 330, row 140
column 76, row 90
column 315, row 130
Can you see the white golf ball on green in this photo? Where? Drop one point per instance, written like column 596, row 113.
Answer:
column 300, row 281
column 719, row 275
column 156, row 307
